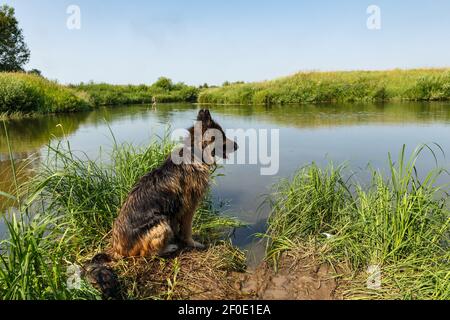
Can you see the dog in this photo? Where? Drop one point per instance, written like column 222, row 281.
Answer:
column 157, row 215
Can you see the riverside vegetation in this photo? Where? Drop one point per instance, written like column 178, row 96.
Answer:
column 399, row 225
column 27, row 93
column 63, row 216
column 24, row 94
column 352, row 86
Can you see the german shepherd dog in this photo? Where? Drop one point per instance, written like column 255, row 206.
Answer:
column 161, row 207
column 157, row 215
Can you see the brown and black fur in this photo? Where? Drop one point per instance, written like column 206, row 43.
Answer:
column 161, row 207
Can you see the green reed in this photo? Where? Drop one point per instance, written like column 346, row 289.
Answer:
column 400, row 224
column 66, row 213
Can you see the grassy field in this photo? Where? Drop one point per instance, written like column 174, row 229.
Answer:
column 64, row 216
column 316, row 87
column 400, row 225
column 22, row 93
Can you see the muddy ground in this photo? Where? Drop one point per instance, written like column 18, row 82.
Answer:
column 209, row 276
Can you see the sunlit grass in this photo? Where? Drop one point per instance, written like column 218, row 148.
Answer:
column 22, row 93
column 401, row 224
column 65, row 213
column 316, row 87
column 103, row 94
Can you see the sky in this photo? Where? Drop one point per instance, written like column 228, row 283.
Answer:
column 210, row 41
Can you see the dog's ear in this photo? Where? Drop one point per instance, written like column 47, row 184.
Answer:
column 204, row 116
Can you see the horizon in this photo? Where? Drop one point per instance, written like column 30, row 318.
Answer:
column 202, row 42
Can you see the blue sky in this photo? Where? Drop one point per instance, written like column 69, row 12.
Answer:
column 197, row 41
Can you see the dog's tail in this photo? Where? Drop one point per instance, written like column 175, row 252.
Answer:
column 99, row 273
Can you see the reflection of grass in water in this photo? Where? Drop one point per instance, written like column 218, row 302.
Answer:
column 401, row 225
column 26, row 137
column 335, row 115
column 24, row 173
column 30, row 134
column 75, row 201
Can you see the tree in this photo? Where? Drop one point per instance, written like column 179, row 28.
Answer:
column 164, row 83
column 35, row 72
column 14, row 53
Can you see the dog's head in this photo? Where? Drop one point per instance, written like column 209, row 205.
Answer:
column 209, row 137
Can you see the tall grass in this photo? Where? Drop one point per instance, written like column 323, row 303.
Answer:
column 66, row 213
column 163, row 90
column 316, row 87
column 400, row 224
column 26, row 93
column 34, row 260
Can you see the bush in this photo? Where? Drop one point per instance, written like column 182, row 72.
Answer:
column 163, row 90
column 31, row 93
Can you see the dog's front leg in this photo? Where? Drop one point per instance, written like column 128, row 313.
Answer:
column 186, row 231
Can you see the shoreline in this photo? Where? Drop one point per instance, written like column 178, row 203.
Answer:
column 413, row 85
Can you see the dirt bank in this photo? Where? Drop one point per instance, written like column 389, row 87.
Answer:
column 292, row 281
column 219, row 274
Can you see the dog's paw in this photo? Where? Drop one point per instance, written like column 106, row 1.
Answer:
column 196, row 245
column 170, row 249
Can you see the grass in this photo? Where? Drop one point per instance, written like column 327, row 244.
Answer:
column 26, row 94
column 64, row 216
column 163, row 90
column 401, row 225
column 317, row 87
column 22, row 93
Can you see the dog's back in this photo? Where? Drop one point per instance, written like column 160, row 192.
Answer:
column 154, row 207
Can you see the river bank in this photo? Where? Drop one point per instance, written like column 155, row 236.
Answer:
column 349, row 86
column 323, row 234
column 24, row 94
